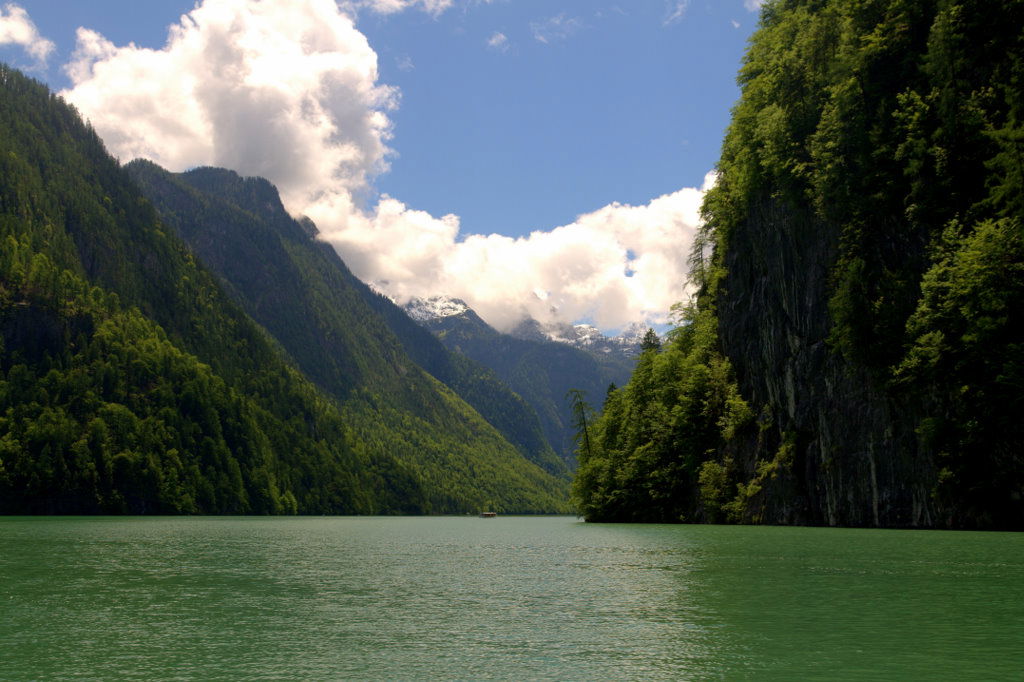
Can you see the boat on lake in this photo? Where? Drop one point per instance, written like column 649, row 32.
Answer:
column 488, row 515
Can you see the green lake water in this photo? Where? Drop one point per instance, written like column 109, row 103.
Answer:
column 507, row 598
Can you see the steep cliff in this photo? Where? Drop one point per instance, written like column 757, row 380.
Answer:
column 854, row 356
column 867, row 229
column 856, row 458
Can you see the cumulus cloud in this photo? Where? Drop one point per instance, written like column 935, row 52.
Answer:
column 498, row 41
column 616, row 265
column 16, row 28
column 753, row 5
column 289, row 91
column 555, row 28
column 284, row 90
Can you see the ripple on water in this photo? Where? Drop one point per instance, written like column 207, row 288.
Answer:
column 507, row 598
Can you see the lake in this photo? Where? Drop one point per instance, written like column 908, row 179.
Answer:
column 409, row 598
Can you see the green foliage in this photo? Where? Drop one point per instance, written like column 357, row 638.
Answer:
column 714, row 485
column 898, row 121
column 910, row 142
column 582, row 414
column 896, row 124
column 302, row 293
column 650, row 342
column 539, row 371
column 744, row 507
column 966, row 339
column 100, row 412
column 657, row 450
column 131, row 383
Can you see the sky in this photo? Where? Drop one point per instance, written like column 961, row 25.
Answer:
column 533, row 157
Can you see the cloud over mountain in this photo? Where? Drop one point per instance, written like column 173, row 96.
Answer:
column 285, row 90
column 616, row 265
column 289, row 91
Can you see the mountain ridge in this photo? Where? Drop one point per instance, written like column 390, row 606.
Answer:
column 322, row 313
column 583, row 336
column 541, row 371
column 148, row 389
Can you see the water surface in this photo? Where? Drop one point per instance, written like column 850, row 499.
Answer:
column 506, row 598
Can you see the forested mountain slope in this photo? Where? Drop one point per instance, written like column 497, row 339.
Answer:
column 476, row 383
column 855, row 356
column 129, row 383
column 542, row 372
column 330, row 322
column 132, row 383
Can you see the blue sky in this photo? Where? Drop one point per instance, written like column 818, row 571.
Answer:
column 510, row 117
column 624, row 108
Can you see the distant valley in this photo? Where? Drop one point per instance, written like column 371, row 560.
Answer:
column 540, row 363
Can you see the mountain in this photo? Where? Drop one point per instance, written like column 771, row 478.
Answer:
column 586, row 337
column 538, row 369
column 305, row 296
column 855, row 356
column 617, row 355
column 478, row 385
column 128, row 382
column 132, row 381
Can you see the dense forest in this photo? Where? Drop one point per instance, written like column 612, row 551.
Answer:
column 340, row 333
column 177, row 343
column 132, row 382
column 854, row 354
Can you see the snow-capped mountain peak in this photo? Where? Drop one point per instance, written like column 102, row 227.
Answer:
column 587, row 334
column 632, row 333
column 584, row 336
column 434, row 307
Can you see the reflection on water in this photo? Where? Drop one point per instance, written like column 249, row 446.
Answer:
column 506, row 598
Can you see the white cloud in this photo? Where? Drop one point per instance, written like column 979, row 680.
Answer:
column 617, row 265
column 753, row 5
column 288, row 91
column 735, row 24
column 16, row 28
column 283, row 90
column 434, row 7
column 498, row 41
column 676, row 11
column 555, row 28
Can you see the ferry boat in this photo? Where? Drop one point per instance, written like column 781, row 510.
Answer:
column 488, row 515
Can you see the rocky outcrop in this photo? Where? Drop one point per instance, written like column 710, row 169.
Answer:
column 855, row 458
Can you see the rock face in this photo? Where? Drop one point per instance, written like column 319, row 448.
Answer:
column 855, row 463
